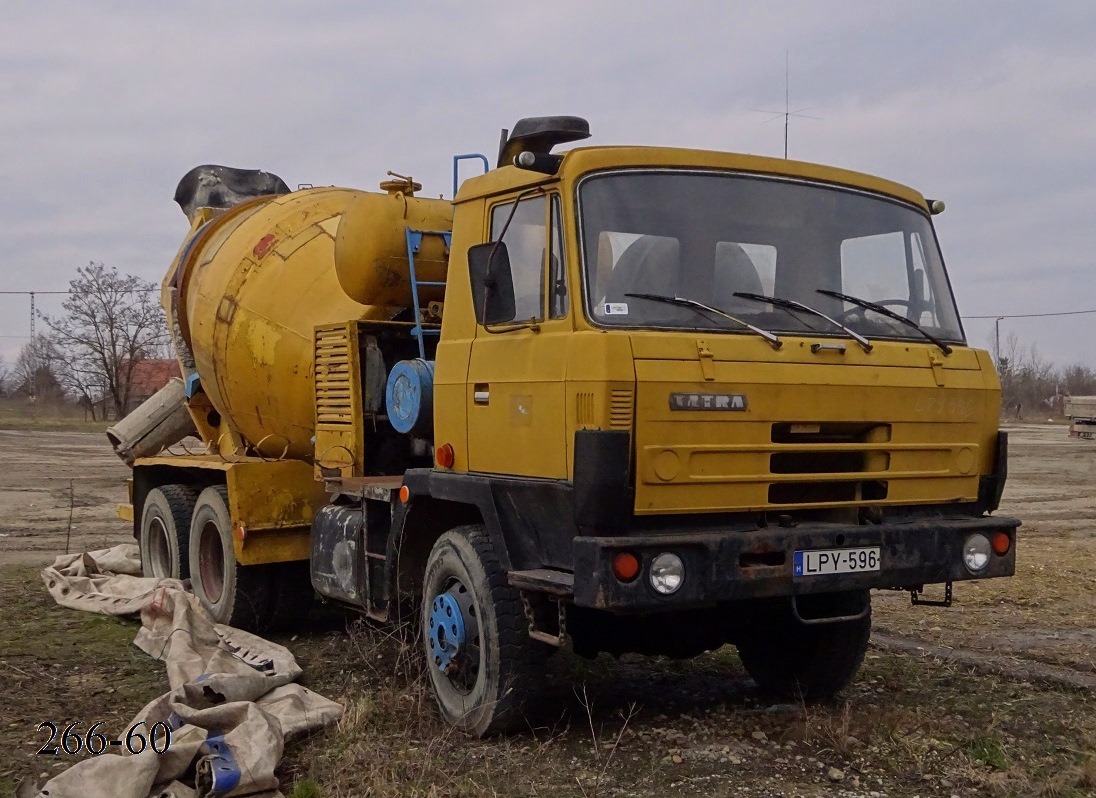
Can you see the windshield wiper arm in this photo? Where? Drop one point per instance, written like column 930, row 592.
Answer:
column 773, row 340
column 885, row 311
column 780, row 302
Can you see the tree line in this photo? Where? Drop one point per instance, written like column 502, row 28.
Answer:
column 1033, row 386
column 90, row 352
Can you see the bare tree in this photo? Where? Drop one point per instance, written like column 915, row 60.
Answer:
column 111, row 322
column 5, row 373
column 35, row 374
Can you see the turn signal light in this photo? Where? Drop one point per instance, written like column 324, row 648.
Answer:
column 405, row 493
column 1001, row 543
column 445, row 456
column 625, row 566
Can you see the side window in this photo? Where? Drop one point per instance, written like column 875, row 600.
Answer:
column 874, row 268
column 525, row 241
column 923, row 308
column 557, row 268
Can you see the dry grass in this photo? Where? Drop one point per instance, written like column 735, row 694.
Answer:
column 636, row 726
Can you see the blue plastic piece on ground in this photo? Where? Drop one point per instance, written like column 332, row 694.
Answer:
column 223, row 771
column 409, row 396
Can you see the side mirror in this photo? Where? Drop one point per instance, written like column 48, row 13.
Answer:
column 492, row 283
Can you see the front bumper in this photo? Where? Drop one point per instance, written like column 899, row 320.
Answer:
column 730, row 566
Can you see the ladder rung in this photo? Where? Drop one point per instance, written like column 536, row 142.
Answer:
column 430, row 282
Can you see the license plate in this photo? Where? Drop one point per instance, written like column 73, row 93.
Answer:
column 818, row 562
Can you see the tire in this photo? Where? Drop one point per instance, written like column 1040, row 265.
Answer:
column 233, row 594
column 491, row 686
column 164, row 534
column 808, row 662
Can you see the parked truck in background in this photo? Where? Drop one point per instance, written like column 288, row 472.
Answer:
column 622, row 399
column 1081, row 412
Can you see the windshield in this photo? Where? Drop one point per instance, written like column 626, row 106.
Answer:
column 709, row 236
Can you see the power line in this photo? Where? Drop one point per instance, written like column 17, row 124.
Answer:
column 125, row 291
column 1032, row 315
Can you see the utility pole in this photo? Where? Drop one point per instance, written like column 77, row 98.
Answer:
column 33, row 352
column 997, row 341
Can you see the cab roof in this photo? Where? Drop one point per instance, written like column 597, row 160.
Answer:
column 582, row 160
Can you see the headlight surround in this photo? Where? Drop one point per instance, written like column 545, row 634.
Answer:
column 667, row 573
column 976, row 553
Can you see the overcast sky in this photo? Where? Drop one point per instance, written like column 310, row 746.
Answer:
column 989, row 106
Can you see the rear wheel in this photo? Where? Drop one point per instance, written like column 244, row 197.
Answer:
column 233, row 594
column 164, row 535
column 485, row 670
column 809, row 662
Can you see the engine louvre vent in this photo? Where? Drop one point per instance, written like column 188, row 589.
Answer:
column 621, row 408
column 334, row 401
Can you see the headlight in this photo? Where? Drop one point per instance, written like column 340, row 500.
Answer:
column 668, row 572
column 976, row 553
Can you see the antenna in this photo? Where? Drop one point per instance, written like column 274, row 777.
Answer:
column 787, row 113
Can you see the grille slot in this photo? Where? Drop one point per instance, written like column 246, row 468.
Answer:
column 831, row 432
column 826, row 462
column 827, row 492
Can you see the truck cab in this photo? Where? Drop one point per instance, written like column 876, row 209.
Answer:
column 701, row 398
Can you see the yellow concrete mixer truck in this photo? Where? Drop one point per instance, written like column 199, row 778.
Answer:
column 622, row 399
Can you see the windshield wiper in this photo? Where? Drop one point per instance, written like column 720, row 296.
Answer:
column 773, row 340
column 780, row 302
column 885, row 311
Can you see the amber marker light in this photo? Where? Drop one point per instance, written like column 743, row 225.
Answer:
column 405, row 493
column 445, row 456
column 625, row 566
column 1001, row 543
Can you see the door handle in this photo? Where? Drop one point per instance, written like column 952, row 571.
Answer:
column 481, row 393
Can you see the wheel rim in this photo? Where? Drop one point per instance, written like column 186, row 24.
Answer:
column 452, row 636
column 211, row 562
column 159, row 549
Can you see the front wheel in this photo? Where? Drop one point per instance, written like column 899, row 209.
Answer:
column 808, row 662
column 485, row 671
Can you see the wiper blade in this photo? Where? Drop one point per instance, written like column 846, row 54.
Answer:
column 780, row 302
column 773, row 340
column 885, row 311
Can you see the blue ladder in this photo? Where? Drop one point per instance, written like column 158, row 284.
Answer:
column 414, row 242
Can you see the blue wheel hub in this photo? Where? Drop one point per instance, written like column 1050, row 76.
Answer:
column 447, row 633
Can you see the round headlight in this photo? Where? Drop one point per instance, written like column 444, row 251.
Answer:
column 976, row 553
column 667, row 573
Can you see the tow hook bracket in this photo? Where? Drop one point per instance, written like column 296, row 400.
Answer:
column 917, row 601
column 559, row 640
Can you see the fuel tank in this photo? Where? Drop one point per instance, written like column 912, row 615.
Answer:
column 251, row 282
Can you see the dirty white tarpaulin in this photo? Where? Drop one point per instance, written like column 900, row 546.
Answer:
column 233, row 700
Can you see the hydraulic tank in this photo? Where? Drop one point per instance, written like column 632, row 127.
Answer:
column 251, row 284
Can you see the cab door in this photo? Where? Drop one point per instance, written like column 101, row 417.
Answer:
column 517, row 371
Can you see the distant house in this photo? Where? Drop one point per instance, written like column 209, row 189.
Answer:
column 148, row 377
